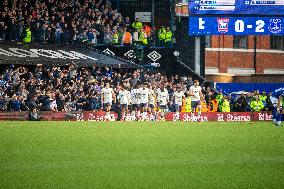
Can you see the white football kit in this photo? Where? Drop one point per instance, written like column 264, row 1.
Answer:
column 196, row 92
column 163, row 98
column 135, row 96
column 107, row 95
column 124, row 97
column 144, row 96
column 178, row 98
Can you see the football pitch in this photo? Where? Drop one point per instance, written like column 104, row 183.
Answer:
column 141, row 155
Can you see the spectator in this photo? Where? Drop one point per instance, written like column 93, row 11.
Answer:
column 108, row 36
column 115, row 40
column 127, row 22
column 27, row 35
column 53, row 103
column 12, row 30
column 2, row 103
column 143, row 40
column 161, row 36
column 168, row 37
column 83, row 38
column 225, row 107
column 58, row 33
column 241, row 103
column 70, row 104
column 38, row 33
column 3, row 31
column 219, row 98
column 15, row 103
column 263, row 98
column 203, row 106
column 66, row 34
column 137, row 25
column 127, row 37
column 51, row 32
column 135, row 37
column 256, row 104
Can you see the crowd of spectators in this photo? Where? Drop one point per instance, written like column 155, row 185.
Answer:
column 74, row 21
column 70, row 88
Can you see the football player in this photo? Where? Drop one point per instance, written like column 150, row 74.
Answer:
column 107, row 96
column 124, row 100
column 278, row 113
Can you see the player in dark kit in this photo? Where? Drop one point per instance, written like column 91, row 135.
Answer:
column 278, row 113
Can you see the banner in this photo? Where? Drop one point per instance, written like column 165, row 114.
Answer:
column 172, row 116
column 61, row 116
column 158, row 58
column 238, row 88
column 144, row 16
column 58, row 55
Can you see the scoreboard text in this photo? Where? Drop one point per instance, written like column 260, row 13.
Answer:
column 238, row 7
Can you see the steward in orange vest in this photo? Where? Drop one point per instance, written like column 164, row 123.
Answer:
column 203, row 106
column 213, row 105
column 127, row 38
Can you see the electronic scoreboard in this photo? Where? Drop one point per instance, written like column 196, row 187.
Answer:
column 236, row 17
column 236, row 25
column 251, row 7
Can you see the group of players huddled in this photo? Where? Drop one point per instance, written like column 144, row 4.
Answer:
column 146, row 98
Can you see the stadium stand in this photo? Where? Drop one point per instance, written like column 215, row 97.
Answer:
column 72, row 22
column 70, row 88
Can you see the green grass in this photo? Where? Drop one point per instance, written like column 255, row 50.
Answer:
column 141, row 155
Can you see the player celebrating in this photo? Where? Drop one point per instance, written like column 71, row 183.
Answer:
column 107, row 96
column 278, row 113
column 163, row 99
column 124, row 100
column 152, row 100
column 144, row 98
column 135, row 100
column 177, row 99
column 196, row 93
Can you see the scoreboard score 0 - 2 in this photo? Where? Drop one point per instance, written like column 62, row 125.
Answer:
column 236, row 25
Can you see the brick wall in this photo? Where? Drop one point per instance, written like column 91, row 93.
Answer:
column 256, row 78
column 221, row 55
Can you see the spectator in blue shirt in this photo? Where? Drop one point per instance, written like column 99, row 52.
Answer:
column 15, row 104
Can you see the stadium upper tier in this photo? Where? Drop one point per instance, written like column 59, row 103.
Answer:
column 69, row 22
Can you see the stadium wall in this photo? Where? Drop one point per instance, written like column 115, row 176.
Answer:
column 221, row 57
column 250, row 78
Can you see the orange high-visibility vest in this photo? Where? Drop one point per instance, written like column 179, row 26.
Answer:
column 203, row 107
column 127, row 38
column 213, row 107
column 183, row 105
column 147, row 30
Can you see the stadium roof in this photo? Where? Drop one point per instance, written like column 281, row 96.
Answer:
column 24, row 54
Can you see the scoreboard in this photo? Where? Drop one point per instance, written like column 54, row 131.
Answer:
column 224, row 25
column 237, row 7
column 236, row 17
